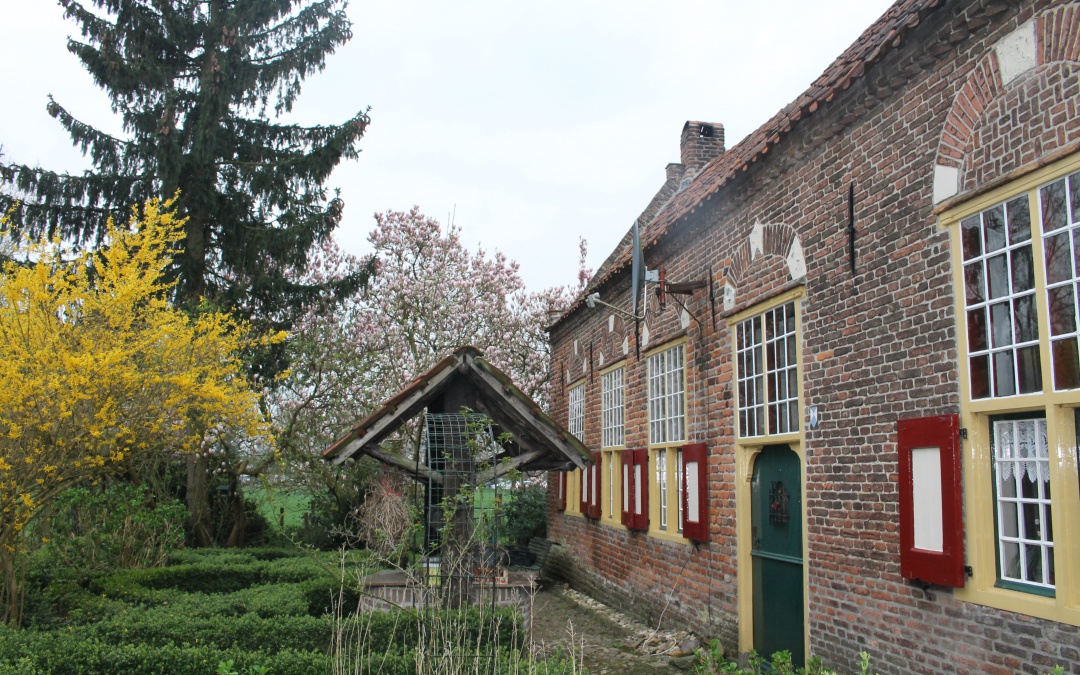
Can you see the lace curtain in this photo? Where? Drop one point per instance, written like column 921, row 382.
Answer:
column 1021, row 445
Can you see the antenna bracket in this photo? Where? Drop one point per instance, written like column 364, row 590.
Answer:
column 592, row 300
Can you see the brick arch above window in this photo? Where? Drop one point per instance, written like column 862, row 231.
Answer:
column 614, row 341
column 776, row 240
column 577, row 362
column 1046, row 47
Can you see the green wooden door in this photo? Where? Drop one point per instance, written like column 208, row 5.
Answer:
column 777, row 553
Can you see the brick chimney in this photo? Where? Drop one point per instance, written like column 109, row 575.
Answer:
column 700, row 143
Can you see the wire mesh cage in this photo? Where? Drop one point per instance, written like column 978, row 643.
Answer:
column 463, row 561
column 462, row 516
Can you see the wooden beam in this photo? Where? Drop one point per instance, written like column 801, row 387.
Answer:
column 413, row 468
column 525, row 441
column 504, row 467
column 522, row 416
column 387, row 423
column 686, row 287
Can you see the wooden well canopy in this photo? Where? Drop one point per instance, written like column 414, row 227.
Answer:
column 528, row 439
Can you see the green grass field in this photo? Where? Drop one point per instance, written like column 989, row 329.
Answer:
column 272, row 500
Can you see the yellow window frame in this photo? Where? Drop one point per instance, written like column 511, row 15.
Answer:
column 1059, row 408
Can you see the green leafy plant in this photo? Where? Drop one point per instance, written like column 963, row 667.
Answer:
column 118, row 526
column 226, row 668
column 525, row 512
column 712, row 660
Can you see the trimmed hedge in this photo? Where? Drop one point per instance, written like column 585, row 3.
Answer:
column 397, row 630
column 68, row 654
column 60, row 653
column 207, row 578
column 263, row 608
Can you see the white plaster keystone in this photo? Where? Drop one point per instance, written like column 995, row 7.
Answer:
column 601, row 359
column 729, row 296
column 1016, row 53
column 611, row 323
column 684, row 319
column 796, row 260
column 584, row 366
column 946, row 182
column 645, row 335
column 575, row 347
column 757, row 240
column 626, row 346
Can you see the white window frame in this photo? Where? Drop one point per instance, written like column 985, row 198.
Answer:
column 667, row 395
column 576, row 411
column 1002, row 347
column 1069, row 229
column 662, row 486
column 679, row 486
column 611, row 407
column 612, row 486
column 666, row 376
column 1025, row 544
column 767, row 372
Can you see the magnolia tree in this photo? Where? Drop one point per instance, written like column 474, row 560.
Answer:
column 429, row 295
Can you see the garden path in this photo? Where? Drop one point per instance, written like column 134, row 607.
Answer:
column 605, row 640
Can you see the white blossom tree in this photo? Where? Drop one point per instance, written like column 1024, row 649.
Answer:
column 429, row 295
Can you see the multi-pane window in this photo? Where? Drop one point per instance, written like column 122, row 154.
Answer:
column 576, row 417
column 1017, row 285
column 609, row 465
column 661, row 482
column 611, row 408
column 1059, row 204
column 667, row 429
column 751, row 378
column 1025, row 533
column 768, row 378
column 999, row 299
column 679, row 485
column 1001, row 315
column 666, row 400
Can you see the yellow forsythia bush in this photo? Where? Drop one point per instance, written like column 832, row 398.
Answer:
column 97, row 367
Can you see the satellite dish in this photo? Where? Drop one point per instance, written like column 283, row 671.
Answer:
column 637, row 271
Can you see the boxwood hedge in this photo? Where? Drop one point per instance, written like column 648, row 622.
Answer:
column 255, row 607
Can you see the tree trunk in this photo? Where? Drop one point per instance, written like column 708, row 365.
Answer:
column 198, row 501
column 236, row 537
column 12, row 591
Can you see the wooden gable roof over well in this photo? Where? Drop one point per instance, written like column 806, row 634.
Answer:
column 536, row 442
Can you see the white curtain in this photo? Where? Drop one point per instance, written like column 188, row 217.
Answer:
column 1021, row 444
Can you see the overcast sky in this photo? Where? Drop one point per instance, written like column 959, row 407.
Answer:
column 531, row 123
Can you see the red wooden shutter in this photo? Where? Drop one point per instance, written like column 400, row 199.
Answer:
column 626, row 459
column 639, row 507
column 695, row 494
column 562, row 491
column 594, row 492
column 931, row 501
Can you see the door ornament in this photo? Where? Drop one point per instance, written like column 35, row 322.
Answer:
column 778, row 504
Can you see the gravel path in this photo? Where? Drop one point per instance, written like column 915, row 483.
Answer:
column 607, row 641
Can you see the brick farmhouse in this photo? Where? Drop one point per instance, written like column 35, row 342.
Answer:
column 844, row 417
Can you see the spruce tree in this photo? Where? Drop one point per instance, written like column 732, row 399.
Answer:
column 199, row 85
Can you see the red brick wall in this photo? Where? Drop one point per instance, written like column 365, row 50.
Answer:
column 876, row 346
